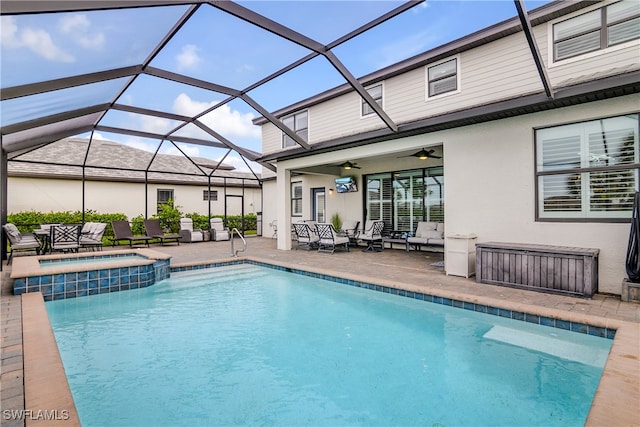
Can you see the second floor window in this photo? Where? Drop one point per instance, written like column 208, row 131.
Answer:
column 376, row 94
column 443, row 77
column 299, row 123
column 599, row 29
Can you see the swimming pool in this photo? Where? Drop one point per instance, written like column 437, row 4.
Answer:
column 251, row 345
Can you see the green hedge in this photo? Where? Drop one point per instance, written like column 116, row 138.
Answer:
column 169, row 220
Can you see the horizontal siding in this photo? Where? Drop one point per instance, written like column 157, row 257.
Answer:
column 339, row 117
column 271, row 139
column 405, row 96
column 503, row 69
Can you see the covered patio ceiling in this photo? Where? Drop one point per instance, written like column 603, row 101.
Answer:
column 177, row 74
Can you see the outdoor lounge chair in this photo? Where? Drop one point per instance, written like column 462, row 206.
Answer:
column 65, row 238
column 329, row 238
column 373, row 237
column 91, row 235
column 153, row 229
column 20, row 241
column 122, row 231
column 188, row 233
column 218, row 230
column 305, row 236
column 350, row 228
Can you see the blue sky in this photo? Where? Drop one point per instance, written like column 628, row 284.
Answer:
column 216, row 47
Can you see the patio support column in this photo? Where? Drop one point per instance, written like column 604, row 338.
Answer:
column 283, row 185
column 3, row 204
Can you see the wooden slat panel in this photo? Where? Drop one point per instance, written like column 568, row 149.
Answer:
column 567, row 270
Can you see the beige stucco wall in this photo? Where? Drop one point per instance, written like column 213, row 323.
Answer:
column 46, row 195
column 489, row 184
column 490, row 187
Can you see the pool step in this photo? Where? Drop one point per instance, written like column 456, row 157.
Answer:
column 212, row 276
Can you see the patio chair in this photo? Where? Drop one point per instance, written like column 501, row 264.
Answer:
column 218, row 230
column 91, row 235
column 373, row 237
column 188, row 233
column 350, row 228
column 153, row 230
column 305, row 236
column 65, row 238
column 274, row 226
column 330, row 239
column 122, row 231
column 20, row 242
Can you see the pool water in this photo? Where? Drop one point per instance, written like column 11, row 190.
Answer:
column 250, row 345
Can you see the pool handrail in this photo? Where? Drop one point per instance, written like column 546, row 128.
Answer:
column 234, row 253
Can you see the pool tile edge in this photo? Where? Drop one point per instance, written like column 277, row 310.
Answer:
column 48, row 399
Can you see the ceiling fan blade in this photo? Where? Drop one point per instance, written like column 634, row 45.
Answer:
column 423, row 155
column 348, row 165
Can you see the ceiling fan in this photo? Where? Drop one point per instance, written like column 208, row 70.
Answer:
column 424, row 155
column 348, row 165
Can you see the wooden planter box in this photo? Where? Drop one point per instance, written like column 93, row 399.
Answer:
column 556, row 269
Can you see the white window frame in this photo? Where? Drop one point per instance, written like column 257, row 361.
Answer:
column 604, row 46
column 458, row 79
column 302, row 132
column 364, row 106
column 296, row 200
column 582, row 166
column 210, row 195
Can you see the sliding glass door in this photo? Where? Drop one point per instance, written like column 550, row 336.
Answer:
column 402, row 199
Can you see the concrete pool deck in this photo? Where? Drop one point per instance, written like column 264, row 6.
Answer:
column 615, row 402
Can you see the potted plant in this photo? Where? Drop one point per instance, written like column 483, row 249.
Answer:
column 336, row 221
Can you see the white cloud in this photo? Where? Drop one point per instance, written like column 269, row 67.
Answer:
column 40, row 42
column 37, row 40
column 188, row 57
column 156, row 124
column 8, row 31
column 78, row 26
column 227, row 122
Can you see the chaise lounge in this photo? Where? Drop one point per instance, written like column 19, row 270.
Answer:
column 153, row 229
column 122, row 231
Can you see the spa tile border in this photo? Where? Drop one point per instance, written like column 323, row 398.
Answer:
column 583, row 328
column 58, row 286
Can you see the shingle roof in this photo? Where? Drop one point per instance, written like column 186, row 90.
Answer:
column 111, row 161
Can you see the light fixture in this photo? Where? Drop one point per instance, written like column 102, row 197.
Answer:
column 424, row 154
column 331, row 191
column 348, row 165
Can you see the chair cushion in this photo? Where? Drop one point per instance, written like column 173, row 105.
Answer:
column 420, row 240
column 340, row 240
column 432, row 234
column 12, row 233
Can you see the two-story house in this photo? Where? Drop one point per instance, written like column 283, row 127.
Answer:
column 514, row 139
